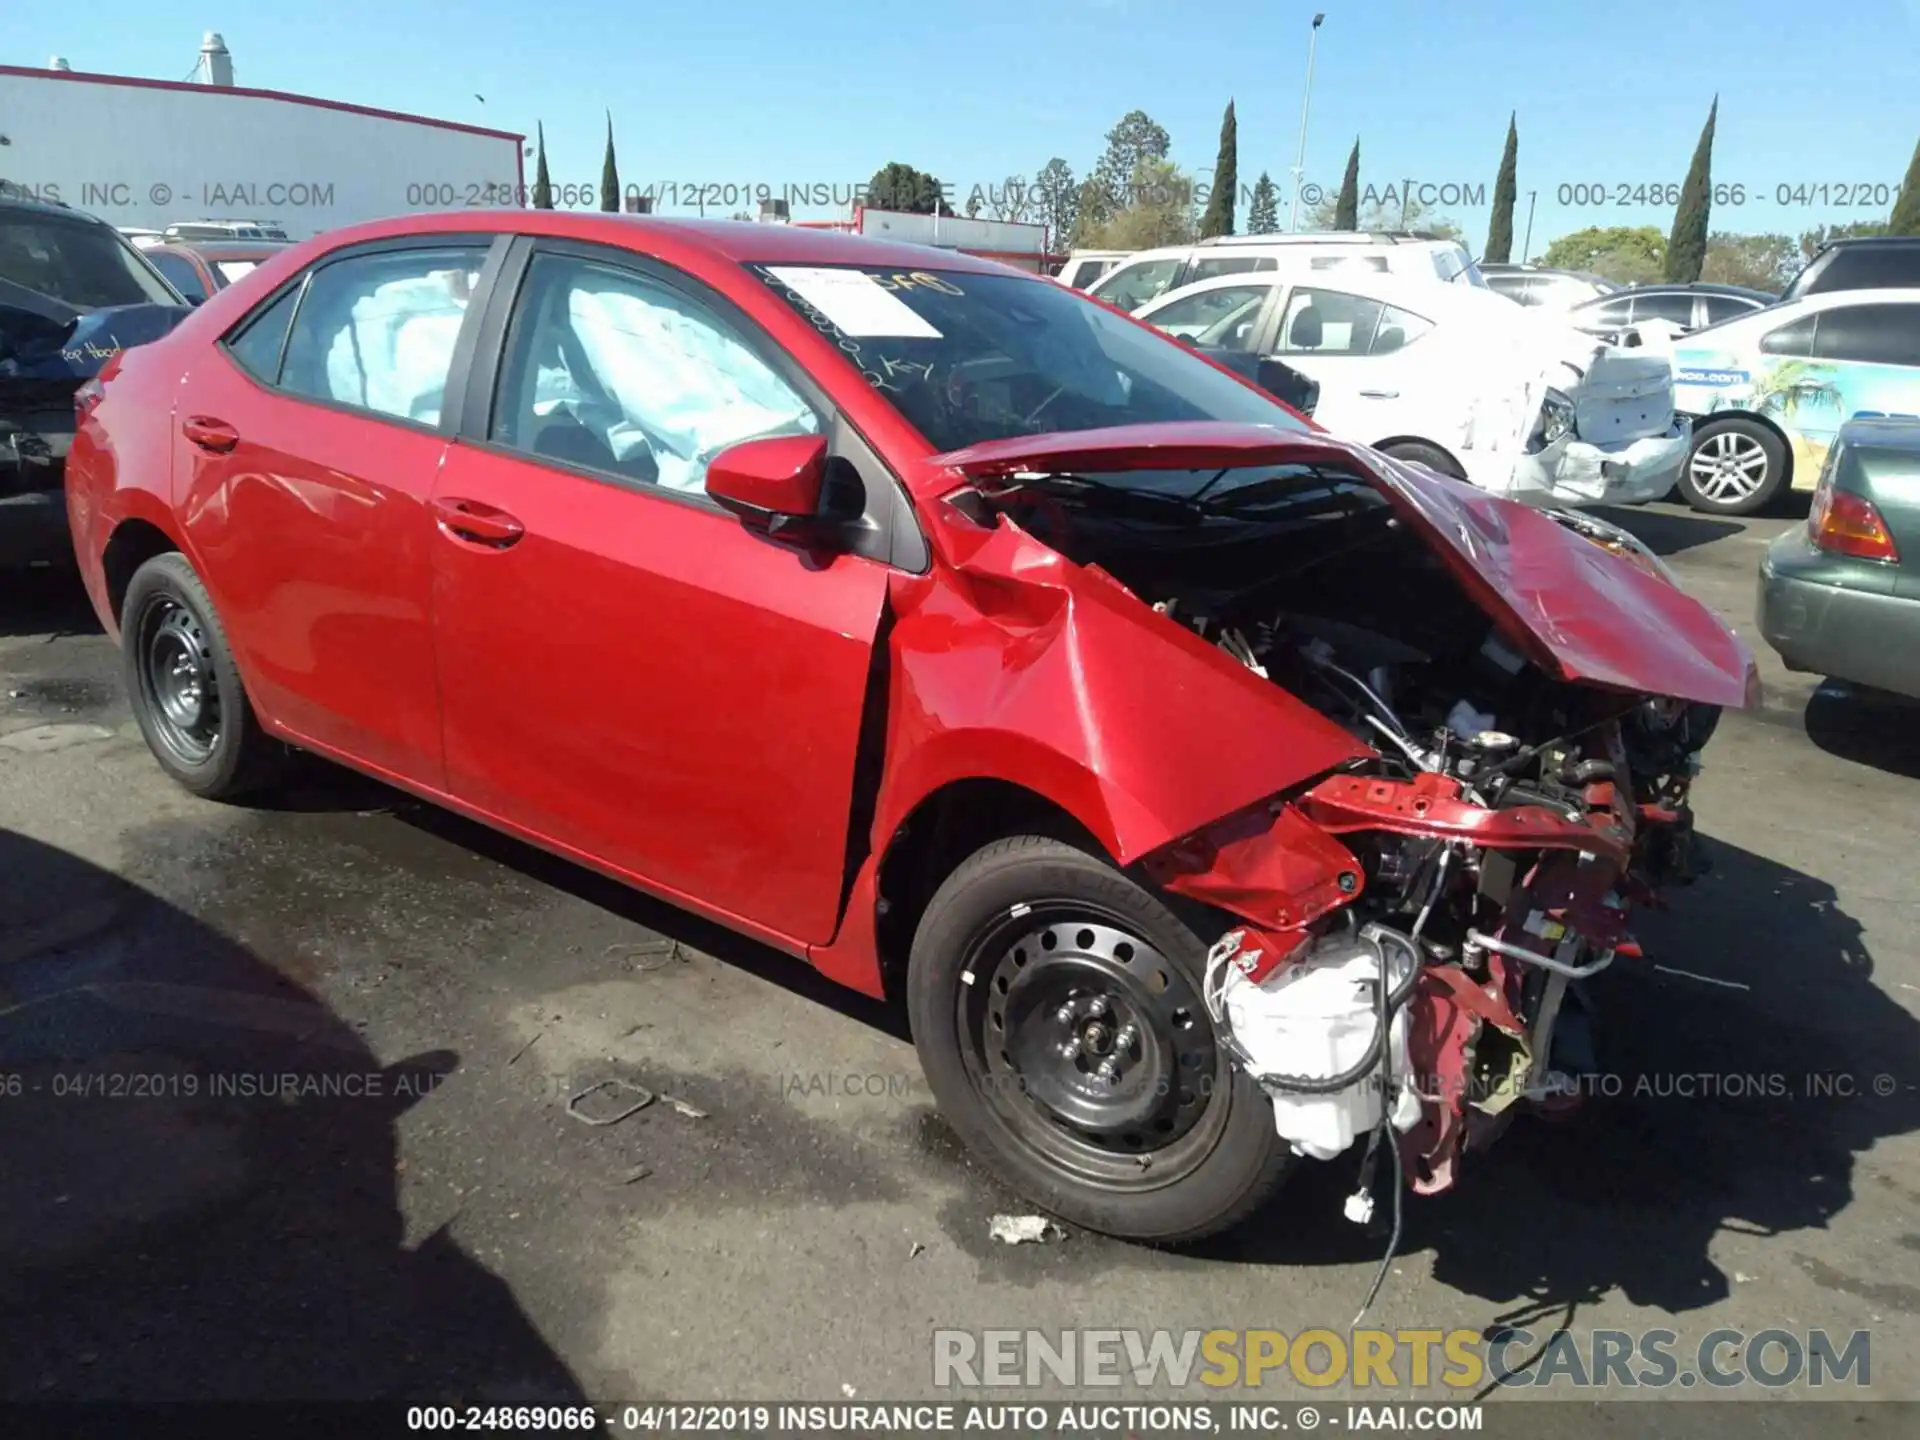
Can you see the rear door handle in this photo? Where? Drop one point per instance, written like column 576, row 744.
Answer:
column 1379, row 394
column 210, row 434
column 477, row 524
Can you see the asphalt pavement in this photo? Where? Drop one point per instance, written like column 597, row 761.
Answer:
column 289, row 1107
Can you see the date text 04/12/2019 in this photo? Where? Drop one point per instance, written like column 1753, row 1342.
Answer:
column 1790, row 194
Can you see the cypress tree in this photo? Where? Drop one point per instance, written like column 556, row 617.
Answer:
column 609, row 175
column 1505, row 192
column 1687, row 245
column 1346, row 210
column 1906, row 210
column 1218, row 219
column 542, row 182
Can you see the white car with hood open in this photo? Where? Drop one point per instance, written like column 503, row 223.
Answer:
column 1456, row 378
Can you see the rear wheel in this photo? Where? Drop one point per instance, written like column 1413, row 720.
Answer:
column 185, row 692
column 1734, row 468
column 1056, row 1007
column 1418, row 452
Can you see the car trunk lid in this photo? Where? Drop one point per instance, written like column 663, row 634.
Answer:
column 1581, row 612
column 1623, row 396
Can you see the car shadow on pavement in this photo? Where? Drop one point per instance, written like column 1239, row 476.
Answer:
column 1717, row 1111
column 200, row 1197
column 669, row 921
column 1881, row 731
column 45, row 600
column 1663, row 531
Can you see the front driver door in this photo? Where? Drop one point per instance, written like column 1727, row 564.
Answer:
column 624, row 668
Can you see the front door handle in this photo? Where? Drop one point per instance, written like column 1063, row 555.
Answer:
column 478, row 524
column 1379, row 394
column 209, row 433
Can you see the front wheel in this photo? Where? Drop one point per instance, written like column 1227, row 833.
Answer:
column 1418, row 452
column 1734, row 468
column 1056, row 1007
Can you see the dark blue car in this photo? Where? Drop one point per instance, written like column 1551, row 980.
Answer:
column 73, row 292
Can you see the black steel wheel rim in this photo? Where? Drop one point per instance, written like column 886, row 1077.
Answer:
column 1090, row 1047
column 179, row 687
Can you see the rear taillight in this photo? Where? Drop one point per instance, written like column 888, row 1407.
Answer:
column 1847, row 524
column 87, row 396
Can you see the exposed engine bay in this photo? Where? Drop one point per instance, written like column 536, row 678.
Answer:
column 1419, row 933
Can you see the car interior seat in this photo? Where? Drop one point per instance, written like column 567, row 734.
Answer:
column 1305, row 332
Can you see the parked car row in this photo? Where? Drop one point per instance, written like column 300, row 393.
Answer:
column 1453, row 378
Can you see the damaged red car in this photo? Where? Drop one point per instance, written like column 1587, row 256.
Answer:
column 1216, row 794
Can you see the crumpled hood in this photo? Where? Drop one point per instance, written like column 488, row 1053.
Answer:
column 44, row 342
column 1581, row 611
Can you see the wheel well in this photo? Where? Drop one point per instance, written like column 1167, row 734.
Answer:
column 1459, row 470
column 1754, row 418
column 132, row 544
column 941, row 832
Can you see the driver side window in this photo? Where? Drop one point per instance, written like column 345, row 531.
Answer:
column 618, row 373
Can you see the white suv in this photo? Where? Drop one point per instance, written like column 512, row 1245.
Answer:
column 1153, row 273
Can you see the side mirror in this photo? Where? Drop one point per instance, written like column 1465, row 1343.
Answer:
column 773, row 485
column 1289, row 386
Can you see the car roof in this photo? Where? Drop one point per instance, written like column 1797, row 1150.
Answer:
column 671, row 239
column 1884, row 432
column 1431, row 298
column 227, row 249
column 10, row 199
column 1886, row 241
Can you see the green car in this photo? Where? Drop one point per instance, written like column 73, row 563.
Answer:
column 1841, row 595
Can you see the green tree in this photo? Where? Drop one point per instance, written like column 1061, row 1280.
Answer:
column 1906, row 209
column 1687, row 245
column 1091, row 212
column 1500, row 231
column 1263, row 207
column 1760, row 262
column 1135, row 137
column 1812, row 240
column 1057, row 198
column 1218, row 219
column 1391, row 209
column 901, row 187
column 1346, row 209
column 1628, row 255
column 1161, row 212
column 609, row 174
column 542, row 182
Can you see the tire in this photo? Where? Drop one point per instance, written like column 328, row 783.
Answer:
column 184, row 689
column 1418, row 452
column 1043, row 927
column 1721, row 463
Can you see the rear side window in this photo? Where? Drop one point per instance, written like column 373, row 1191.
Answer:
column 180, row 273
column 1794, row 340
column 378, row 331
column 1398, row 329
column 1870, row 334
column 1675, row 308
column 1868, row 267
column 258, row 343
column 1329, row 322
column 1725, row 307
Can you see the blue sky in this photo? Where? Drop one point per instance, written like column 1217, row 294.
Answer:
column 1609, row 96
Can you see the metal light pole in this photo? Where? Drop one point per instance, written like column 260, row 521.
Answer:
column 1526, row 246
column 1300, row 164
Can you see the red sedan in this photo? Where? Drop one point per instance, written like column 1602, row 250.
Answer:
column 1214, row 792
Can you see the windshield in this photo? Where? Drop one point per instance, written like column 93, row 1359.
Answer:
column 76, row 262
column 966, row 358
